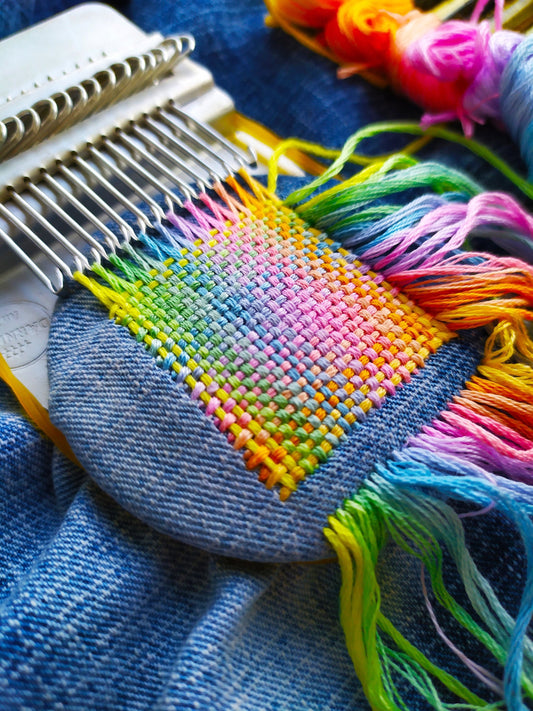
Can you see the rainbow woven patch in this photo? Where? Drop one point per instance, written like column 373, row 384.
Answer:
column 282, row 338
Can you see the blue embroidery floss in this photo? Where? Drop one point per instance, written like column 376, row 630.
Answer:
column 516, row 100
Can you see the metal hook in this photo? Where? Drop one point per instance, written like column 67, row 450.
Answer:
column 171, row 52
column 64, row 105
column 23, row 227
column 189, row 41
column 126, row 230
column 132, row 185
column 79, row 99
column 32, row 124
column 241, row 157
column 171, row 46
column 48, row 113
column 180, row 128
column 41, row 196
column 185, row 189
column 21, row 254
column 94, row 93
column 170, row 198
column 172, row 158
column 14, row 133
column 108, row 82
column 149, row 71
column 184, row 44
column 109, row 237
column 38, row 217
column 124, row 87
column 143, row 221
column 122, row 72
column 184, row 148
column 160, row 59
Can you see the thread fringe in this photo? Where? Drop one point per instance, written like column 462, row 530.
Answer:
column 404, row 501
column 479, row 450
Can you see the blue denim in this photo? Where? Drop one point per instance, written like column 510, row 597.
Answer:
column 165, row 576
column 142, row 438
column 100, row 611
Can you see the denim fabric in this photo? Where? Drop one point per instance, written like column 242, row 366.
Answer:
column 143, row 439
column 100, row 611
column 16, row 15
column 116, row 599
column 26, row 495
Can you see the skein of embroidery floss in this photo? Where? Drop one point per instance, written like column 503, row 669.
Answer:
column 451, row 69
column 516, row 100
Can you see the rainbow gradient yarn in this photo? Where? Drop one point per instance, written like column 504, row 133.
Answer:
column 282, row 337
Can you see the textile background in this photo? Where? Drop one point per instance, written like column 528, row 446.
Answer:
column 126, row 589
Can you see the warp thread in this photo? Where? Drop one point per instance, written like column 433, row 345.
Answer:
column 283, row 340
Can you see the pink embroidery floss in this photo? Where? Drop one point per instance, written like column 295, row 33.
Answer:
column 466, row 60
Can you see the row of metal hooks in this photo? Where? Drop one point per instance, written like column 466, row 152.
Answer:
column 165, row 154
column 106, row 87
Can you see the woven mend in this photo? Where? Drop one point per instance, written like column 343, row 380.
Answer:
column 280, row 336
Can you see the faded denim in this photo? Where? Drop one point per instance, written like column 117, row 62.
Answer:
column 133, row 586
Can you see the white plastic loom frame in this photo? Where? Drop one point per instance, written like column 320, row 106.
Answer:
column 45, row 59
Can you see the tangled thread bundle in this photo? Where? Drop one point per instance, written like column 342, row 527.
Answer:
column 454, row 69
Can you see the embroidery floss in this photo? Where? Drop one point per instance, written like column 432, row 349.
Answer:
column 453, row 70
column 480, row 450
column 283, row 339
